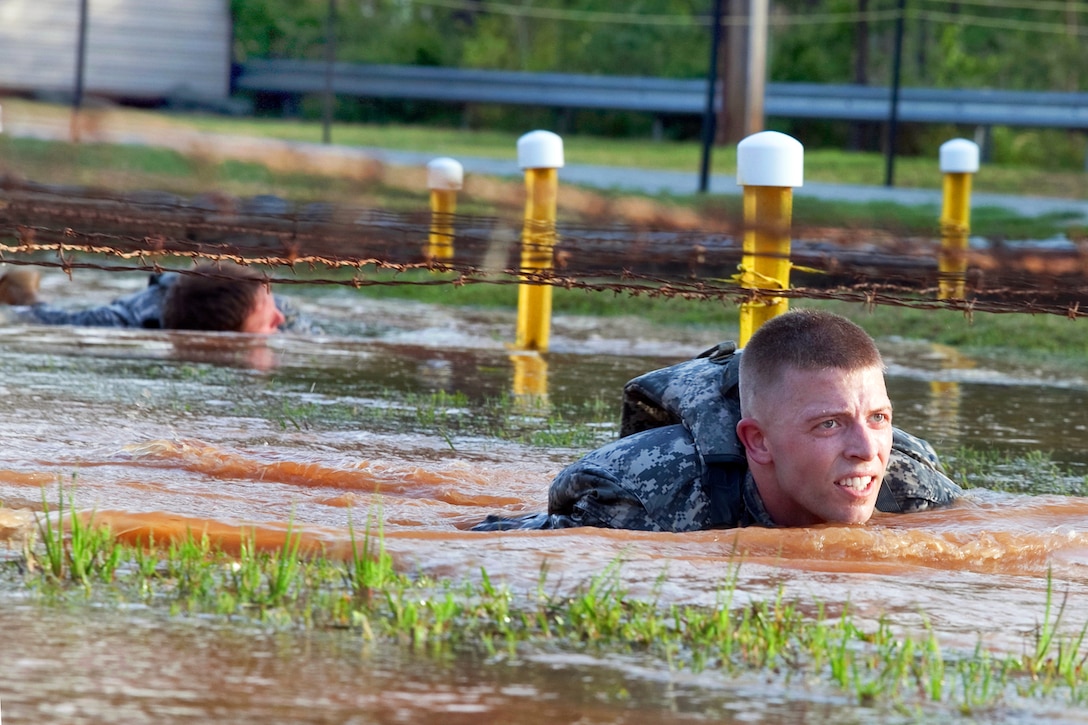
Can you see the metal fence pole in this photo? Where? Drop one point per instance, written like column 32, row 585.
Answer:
column 709, row 114
column 81, row 58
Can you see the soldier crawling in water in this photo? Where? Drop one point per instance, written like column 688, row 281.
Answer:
column 793, row 430
column 214, row 296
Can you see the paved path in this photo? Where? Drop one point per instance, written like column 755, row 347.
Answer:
column 601, row 177
column 677, row 182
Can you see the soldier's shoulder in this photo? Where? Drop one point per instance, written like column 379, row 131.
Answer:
column 915, row 477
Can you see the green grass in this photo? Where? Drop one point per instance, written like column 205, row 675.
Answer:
column 826, row 165
column 129, row 167
column 528, row 420
column 1033, row 474
column 83, row 551
column 1037, row 338
column 366, row 597
column 134, row 167
column 1017, row 337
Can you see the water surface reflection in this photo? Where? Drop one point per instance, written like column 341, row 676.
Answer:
column 399, row 419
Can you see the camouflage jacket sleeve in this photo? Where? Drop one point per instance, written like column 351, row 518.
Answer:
column 139, row 309
column 293, row 318
column 650, row 481
column 914, row 479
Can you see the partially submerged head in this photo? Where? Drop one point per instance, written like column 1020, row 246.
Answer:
column 223, row 297
column 816, row 419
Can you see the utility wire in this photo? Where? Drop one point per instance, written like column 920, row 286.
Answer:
column 786, row 20
column 1042, row 5
column 688, row 21
column 1028, row 26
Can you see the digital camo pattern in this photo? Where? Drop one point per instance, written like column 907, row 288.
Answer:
column 701, row 394
column 657, row 478
column 141, row 309
column 650, row 481
column 656, row 481
column 914, row 479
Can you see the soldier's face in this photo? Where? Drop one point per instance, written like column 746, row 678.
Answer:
column 264, row 318
column 824, row 438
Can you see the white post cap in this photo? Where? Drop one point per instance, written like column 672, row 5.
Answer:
column 770, row 158
column 540, row 150
column 959, row 156
column 445, row 174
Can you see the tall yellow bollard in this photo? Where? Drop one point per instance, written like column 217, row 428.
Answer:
column 540, row 154
column 769, row 166
column 959, row 160
column 530, row 375
column 445, row 177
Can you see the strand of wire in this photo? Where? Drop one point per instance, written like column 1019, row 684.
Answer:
column 904, row 292
column 149, row 232
column 786, row 19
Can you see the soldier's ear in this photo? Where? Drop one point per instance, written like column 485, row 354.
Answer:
column 754, row 441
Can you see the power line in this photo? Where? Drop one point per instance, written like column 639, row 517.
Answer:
column 1041, row 5
column 685, row 21
column 827, row 18
column 1030, row 26
column 591, row 16
column 784, row 20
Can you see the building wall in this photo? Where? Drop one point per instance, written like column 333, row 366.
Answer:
column 144, row 49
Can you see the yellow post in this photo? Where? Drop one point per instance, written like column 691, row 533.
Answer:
column 530, row 375
column 959, row 161
column 445, row 177
column 766, row 260
column 769, row 166
column 540, row 154
column 946, row 396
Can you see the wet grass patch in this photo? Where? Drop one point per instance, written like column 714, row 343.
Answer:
column 367, row 597
column 527, row 419
column 1041, row 339
column 579, row 424
column 1032, row 473
column 1021, row 336
column 146, row 167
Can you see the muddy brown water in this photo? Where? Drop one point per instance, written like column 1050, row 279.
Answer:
column 321, row 432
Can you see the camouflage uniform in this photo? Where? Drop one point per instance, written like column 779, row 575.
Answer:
column 679, row 466
column 141, row 309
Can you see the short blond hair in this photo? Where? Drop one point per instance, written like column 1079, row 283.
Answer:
column 802, row 339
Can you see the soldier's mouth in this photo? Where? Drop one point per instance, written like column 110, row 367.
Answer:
column 856, row 483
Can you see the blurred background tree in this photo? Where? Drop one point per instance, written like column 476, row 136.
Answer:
column 1001, row 44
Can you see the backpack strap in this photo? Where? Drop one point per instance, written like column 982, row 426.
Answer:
column 701, row 394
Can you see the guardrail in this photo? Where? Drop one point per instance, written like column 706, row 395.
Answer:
column 663, row 95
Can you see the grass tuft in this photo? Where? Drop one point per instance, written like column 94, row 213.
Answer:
column 366, row 596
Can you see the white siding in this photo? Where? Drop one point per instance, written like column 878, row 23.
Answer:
column 135, row 48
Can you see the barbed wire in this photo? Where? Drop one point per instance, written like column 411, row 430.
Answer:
column 325, row 244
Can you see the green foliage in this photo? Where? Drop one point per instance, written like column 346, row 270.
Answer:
column 817, row 41
column 1032, row 473
column 1016, row 336
column 960, row 66
column 816, row 52
column 366, row 596
column 1044, row 148
column 80, row 550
